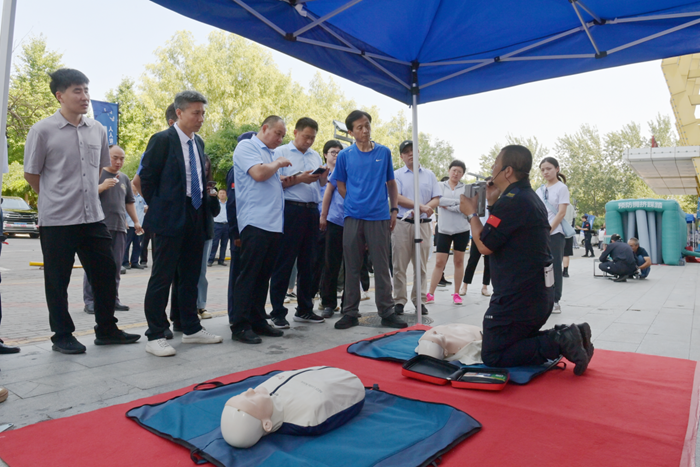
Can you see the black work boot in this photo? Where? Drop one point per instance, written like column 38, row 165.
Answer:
column 585, row 330
column 571, row 347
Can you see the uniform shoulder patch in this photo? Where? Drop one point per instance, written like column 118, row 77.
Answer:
column 513, row 192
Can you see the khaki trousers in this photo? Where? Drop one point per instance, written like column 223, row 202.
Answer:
column 403, row 251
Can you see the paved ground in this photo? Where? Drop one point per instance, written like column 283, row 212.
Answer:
column 656, row 316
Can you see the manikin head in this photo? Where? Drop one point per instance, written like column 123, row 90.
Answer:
column 247, row 417
column 431, row 348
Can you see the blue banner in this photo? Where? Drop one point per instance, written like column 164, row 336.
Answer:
column 108, row 114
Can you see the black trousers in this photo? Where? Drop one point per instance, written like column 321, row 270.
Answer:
column 182, row 253
column 259, row 251
column 220, row 235
column 512, row 335
column 234, row 271
column 145, row 240
column 318, row 263
column 331, row 267
column 298, row 244
column 474, row 256
column 617, row 268
column 587, row 244
column 92, row 242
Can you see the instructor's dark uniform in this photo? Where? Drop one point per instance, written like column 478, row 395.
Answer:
column 517, row 231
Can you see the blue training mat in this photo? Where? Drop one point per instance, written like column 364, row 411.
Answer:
column 401, row 347
column 427, row 430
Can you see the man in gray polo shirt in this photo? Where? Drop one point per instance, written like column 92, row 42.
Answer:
column 63, row 156
column 116, row 198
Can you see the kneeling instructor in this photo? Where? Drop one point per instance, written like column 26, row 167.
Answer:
column 516, row 237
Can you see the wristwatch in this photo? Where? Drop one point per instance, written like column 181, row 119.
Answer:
column 394, row 209
column 471, row 216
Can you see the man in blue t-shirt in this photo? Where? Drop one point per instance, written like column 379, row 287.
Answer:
column 642, row 257
column 364, row 174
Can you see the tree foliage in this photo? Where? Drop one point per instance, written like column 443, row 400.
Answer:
column 135, row 123
column 30, row 99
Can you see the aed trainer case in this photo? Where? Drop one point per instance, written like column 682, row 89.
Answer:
column 436, row 371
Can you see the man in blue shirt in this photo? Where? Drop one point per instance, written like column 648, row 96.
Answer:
column 220, row 232
column 131, row 236
column 301, row 198
column 402, row 238
column 364, row 175
column 260, row 214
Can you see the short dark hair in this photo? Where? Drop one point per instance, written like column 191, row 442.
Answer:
column 63, row 78
column 518, row 158
column 185, row 98
column 615, row 238
column 458, row 163
column 170, row 113
column 354, row 116
column 444, row 179
column 271, row 120
column 306, row 122
column 585, row 216
column 330, row 144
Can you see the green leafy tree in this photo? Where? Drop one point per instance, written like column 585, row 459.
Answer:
column 135, row 123
column 538, row 150
column 30, row 98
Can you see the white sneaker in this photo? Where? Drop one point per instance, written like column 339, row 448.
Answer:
column 160, row 348
column 556, row 309
column 202, row 337
column 286, row 300
column 365, row 296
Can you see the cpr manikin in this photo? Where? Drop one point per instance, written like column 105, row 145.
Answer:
column 451, row 342
column 310, row 401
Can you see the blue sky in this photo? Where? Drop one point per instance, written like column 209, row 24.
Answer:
column 108, row 39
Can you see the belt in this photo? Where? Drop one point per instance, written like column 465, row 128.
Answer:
column 411, row 221
column 303, row 205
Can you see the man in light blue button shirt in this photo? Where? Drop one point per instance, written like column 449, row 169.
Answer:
column 402, row 238
column 301, row 200
column 260, row 214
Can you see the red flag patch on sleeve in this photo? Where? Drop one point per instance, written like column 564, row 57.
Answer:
column 494, row 221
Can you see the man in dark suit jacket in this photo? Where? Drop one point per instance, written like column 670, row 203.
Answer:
column 173, row 184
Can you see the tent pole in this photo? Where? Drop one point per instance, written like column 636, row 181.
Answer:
column 416, row 212
column 7, row 30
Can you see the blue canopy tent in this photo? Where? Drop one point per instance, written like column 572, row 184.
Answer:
column 423, row 51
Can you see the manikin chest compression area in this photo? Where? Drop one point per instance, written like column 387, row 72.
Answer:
column 310, row 401
column 452, row 342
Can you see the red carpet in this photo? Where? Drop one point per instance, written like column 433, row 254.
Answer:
column 628, row 409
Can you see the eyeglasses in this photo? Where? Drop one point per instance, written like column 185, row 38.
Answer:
column 333, row 153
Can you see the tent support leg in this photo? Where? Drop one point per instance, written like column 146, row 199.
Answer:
column 7, row 31
column 416, row 212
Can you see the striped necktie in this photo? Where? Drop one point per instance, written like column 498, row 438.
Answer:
column 196, row 192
